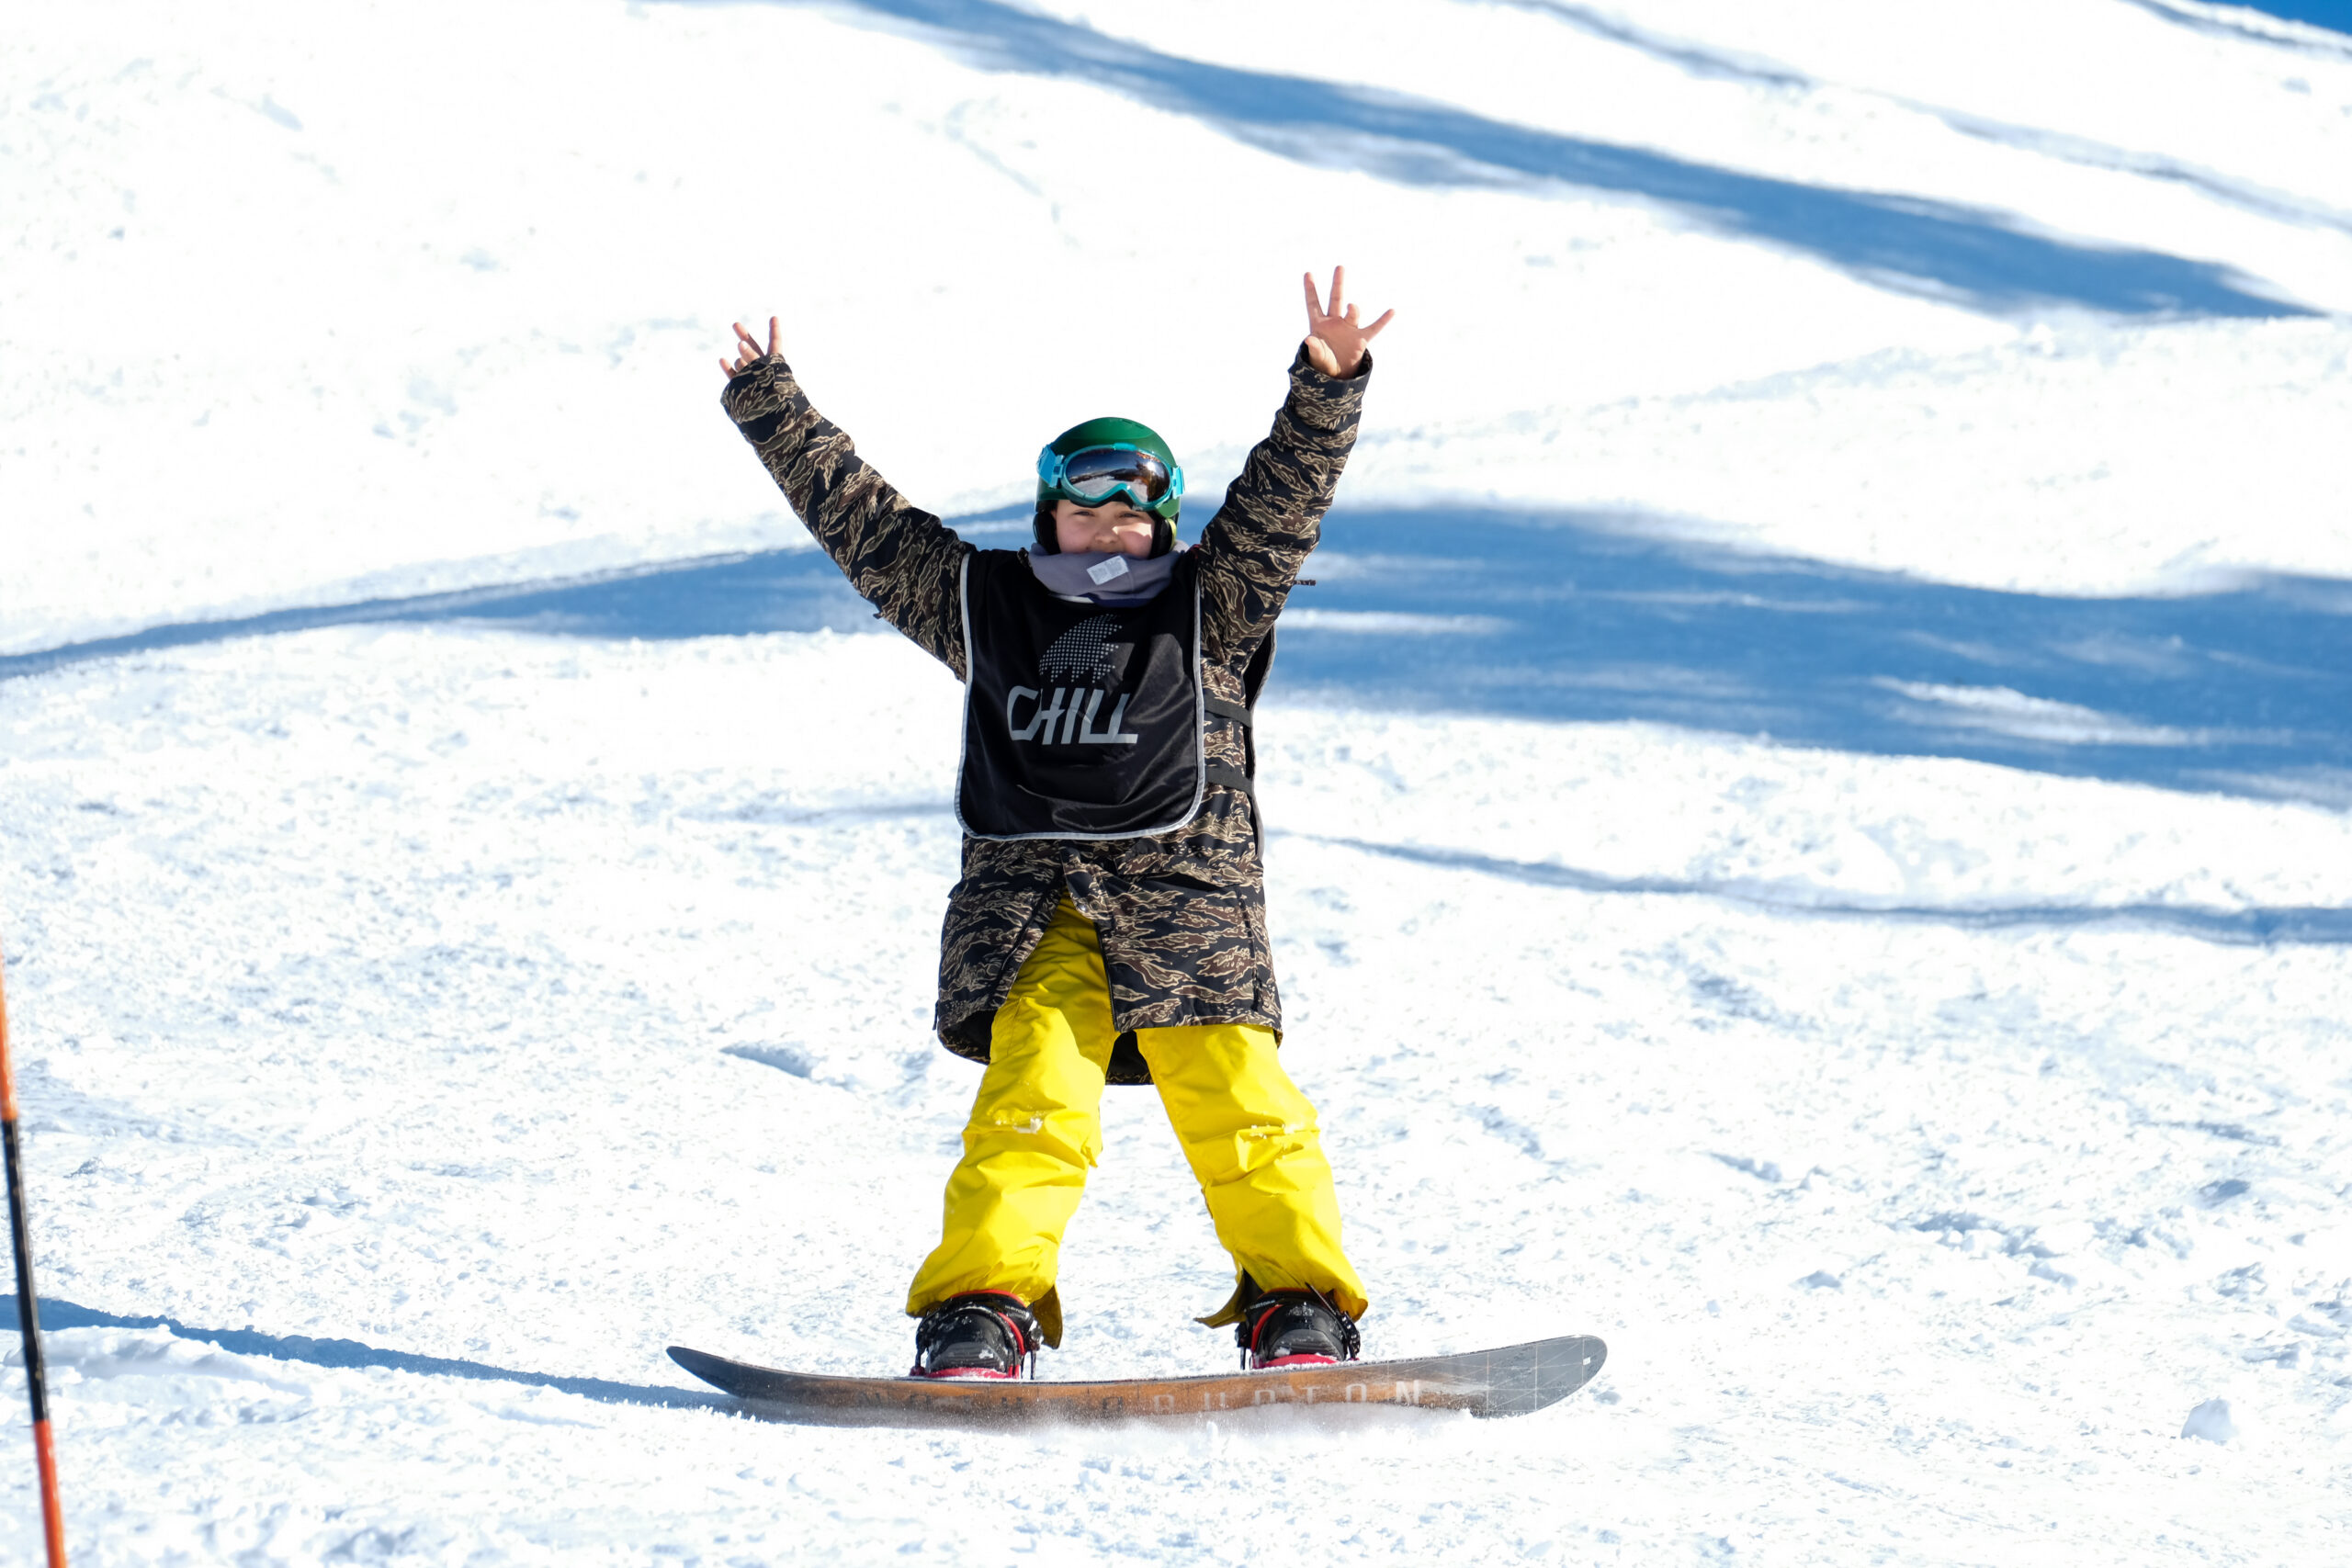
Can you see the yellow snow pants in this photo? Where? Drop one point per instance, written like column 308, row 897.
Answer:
column 1035, row 1127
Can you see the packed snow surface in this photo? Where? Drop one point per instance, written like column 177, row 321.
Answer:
column 1810, row 805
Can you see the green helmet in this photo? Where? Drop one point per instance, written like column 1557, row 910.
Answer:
column 1156, row 485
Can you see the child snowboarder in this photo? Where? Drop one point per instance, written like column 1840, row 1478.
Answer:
column 1109, row 922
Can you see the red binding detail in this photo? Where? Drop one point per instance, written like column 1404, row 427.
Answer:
column 1256, row 1329
column 966, row 1372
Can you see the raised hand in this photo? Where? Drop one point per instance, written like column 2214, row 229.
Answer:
column 1335, row 344
column 752, row 353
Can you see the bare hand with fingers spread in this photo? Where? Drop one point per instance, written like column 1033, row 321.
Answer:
column 1334, row 341
column 1112, row 677
column 752, row 353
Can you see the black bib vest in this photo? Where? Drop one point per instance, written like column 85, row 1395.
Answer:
column 1080, row 721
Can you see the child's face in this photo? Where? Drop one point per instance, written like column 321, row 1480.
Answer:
column 1113, row 528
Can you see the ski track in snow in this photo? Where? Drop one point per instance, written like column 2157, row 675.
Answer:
column 470, row 910
column 533, row 1002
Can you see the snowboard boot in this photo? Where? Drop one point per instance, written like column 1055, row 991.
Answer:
column 981, row 1334
column 1295, row 1328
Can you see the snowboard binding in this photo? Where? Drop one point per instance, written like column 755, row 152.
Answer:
column 1295, row 1328
column 981, row 1334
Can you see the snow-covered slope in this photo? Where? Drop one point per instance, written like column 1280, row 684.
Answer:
column 534, row 1003
column 307, row 301
column 1938, row 1108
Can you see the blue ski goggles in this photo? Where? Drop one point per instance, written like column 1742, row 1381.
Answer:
column 1092, row 475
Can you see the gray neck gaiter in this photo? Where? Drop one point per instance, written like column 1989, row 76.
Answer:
column 1114, row 581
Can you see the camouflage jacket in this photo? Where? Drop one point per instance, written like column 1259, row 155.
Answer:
column 1182, row 916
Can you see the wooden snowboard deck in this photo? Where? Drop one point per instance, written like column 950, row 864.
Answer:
column 1513, row 1381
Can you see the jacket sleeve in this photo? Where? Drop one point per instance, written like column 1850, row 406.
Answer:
column 1272, row 514
column 902, row 560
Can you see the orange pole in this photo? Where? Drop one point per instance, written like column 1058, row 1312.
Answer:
column 52, row 1512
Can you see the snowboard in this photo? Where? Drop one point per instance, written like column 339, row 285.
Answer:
column 1509, row 1382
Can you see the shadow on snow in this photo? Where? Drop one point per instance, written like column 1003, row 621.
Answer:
column 2334, row 15
column 1723, row 65
column 347, row 1353
column 2316, row 925
column 1968, row 255
column 1577, row 616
